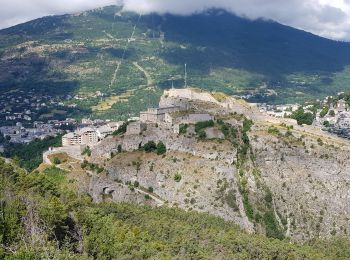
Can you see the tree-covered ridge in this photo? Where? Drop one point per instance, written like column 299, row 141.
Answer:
column 43, row 217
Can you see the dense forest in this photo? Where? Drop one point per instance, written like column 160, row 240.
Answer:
column 43, row 217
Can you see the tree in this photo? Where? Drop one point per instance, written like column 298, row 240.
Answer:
column 150, row 147
column 324, row 112
column 161, row 148
column 121, row 130
column 202, row 135
column 302, row 117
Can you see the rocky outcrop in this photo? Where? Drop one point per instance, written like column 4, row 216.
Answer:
column 295, row 180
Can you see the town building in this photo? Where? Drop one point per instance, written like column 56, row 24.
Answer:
column 84, row 136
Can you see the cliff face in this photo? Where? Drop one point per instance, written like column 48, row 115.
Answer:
column 310, row 182
column 285, row 183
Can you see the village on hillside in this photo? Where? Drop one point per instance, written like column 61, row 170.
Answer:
column 334, row 117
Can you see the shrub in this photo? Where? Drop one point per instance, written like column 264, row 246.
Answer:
column 319, row 141
column 183, row 129
column 288, row 133
column 84, row 164
column 56, row 161
column 324, row 112
column 121, row 130
column 177, row 177
column 302, row 117
column 202, row 125
column 99, row 169
column 87, row 151
column 136, row 184
column 161, row 148
column 202, row 135
column 247, row 125
column 150, row 189
column 150, row 147
column 273, row 130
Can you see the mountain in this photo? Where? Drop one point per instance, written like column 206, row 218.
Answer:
column 99, row 50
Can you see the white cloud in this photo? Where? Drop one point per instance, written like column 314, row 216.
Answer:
column 17, row 11
column 328, row 18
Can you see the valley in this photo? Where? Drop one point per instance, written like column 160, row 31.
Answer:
column 162, row 136
column 94, row 51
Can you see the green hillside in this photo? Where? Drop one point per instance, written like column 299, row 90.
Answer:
column 43, row 217
column 95, row 50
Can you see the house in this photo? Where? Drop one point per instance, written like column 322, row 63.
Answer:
column 104, row 130
column 341, row 106
column 343, row 120
column 27, row 118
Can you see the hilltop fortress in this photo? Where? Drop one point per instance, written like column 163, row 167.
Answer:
column 223, row 156
column 183, row 106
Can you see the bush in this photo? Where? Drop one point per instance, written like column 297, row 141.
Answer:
column 319, row 141
column 202, row 135
column 84, row 164
column 302, row 117
column 183, row 129
column 56, row 161
column 150, row 147
column 202, row 125
column 150, row 189
column 121, row 130
column 177, row 177
column 87, row 151
column 161, row 148
column 324, row 112
column 273, row 130
column 247, row 125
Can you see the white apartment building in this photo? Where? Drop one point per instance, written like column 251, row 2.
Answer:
column 84, row 136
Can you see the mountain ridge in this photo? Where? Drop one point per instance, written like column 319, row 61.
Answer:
column 80, row 54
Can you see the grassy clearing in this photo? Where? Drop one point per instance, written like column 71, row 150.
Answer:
column 108, row 102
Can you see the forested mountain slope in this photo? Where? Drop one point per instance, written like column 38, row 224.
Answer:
column 99, row 50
